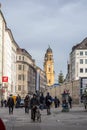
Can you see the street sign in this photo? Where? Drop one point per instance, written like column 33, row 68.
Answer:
column 5, row 79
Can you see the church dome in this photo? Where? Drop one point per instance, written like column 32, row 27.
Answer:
column 49, row 50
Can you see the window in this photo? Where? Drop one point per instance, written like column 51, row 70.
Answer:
column 86, row 70
column 23, row 77
column 85, row 61
column 81, row 53
column 19, row 57
column 49, row 69
column 19, row 77
column 85, row 52
column 19, row 87
column 49, row 81
column 19, row 67
column 23, row 67
column 50, row 57
column 23, row 58
column 81, row 61
column 81, row 70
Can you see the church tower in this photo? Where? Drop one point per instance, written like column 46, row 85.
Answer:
column 49, row 66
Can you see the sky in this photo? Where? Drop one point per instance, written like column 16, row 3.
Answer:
column 36, row 24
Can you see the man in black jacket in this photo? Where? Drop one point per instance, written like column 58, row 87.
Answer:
column 70, row 101
column 42, row 101
column 10, row 104
column 48, row 101
column 33, row 104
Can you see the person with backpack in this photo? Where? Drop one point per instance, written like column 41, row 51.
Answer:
column 48, row 101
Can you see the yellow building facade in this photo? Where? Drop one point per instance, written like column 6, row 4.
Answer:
column 49, row 66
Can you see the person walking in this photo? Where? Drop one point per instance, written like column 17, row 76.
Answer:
column 26, row 102
column 42, row 101
column 48, row 101
column 10, row 104
column 5, row 103
column 56, row 102
column 2, row 102
column 33, row 104
column 18, row 100
column 70, row 101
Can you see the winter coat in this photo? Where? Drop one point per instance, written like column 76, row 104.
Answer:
column 48, row 100
column 10, row 102
column 26, row 101
column 34, row 102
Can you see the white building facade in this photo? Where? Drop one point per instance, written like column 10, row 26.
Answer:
column 8, row 49
column 1, row 64
column 6, row 63
column 78, row 61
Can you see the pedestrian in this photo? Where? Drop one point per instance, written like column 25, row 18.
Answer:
column 42, row 101
column 33, row 104
column 70, row 101
column 48, row 101
column 2, row 102
column 56, row 102
column 5, row 103
column 18, row 100
column 10, row 104
column 26, row 102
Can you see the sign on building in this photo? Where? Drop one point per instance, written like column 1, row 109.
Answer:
column 5, row 79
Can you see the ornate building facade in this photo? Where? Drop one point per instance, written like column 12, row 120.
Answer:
column 49, row 66
column 18, row 71
column 26, row 73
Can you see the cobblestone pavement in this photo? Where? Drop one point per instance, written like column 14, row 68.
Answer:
column 75, row 119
